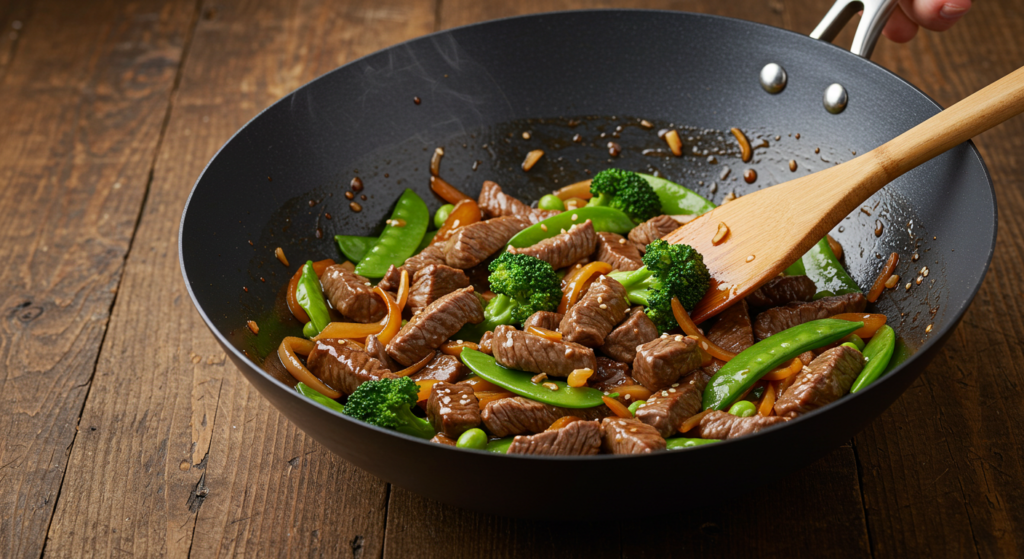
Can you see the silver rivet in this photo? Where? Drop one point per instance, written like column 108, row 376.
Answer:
column 835, row 98
column 773, row 78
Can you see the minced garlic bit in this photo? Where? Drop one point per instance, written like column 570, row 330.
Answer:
column 908, row 286
column 750, row 258
column 928, row 329
column 893, row 281
column 646, row 124
column 532, row 158
column 603, row 306
column 918, row 280
column 674, row 142
column 537, row 379
column 924, row 271
column 550, row 386
column 575, row 217
column 526, row 135
column 544, row 226
column 253, row 327
column 723, row 231
column 279, row 253
column 622, row 241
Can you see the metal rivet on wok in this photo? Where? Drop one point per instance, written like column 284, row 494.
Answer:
column 773, row 78
column 835, row 98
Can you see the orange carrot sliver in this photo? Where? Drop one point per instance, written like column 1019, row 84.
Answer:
column 617, row 407
column 691, row 330
column 785, row 371
column 544, row 333
column 487, row 397
column 634, row 391
column 767, row 401
column 464, row 213
column 403, row 290
column 562, row 422
column 446, row 191
column 480, row 385
column 455, row 348
column 286, row 352
column 887, row 270
column 693, row 421
column 872, row 322
column 574, row 289
column 575, row 190
column 425, row 387
column 415, row 367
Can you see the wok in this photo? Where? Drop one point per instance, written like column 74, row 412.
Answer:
column 557, row 75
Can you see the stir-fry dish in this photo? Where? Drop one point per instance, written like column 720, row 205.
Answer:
column 562, row 328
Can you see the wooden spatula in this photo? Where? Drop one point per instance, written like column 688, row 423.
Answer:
column 771, row 228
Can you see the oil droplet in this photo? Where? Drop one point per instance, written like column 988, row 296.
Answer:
column 750, row 258
column 792, row 164
column 416, row 100
column 355, row 207
column 750, row 175
column 349, row 195
column 357, row 184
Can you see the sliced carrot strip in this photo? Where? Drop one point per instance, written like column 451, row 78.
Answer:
column 481, row 385
column 403, row 290
column 785, row 371
column 544, row 333
column 464, row 213
column 572, row 292
column 425, row 387
column 693, row 421
column 887, row 270
column 455, row 348
column 562, row 422
column 450, row 194
column 286, row 352
column 617, row 407
column 575, row 190
column 691, row 330
column 487, row 397
column 578, row 378
column 767, row 401
column 634, row 391
column 394, row 318
column 415, row 367
column 872, row 322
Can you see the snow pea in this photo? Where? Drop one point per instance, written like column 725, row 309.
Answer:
column 683, row 442
column 677, row 199
column 823, row 268
column 877, row 353
column 319, row 398
column 400, row 238
column 311, row 298
column 472, row 438
column 603, row 219
column 636, row 405
column 354, row 247
column 499, row 446
column 518, row 382
column 742, row 371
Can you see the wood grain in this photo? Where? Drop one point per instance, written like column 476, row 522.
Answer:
column 14, row 15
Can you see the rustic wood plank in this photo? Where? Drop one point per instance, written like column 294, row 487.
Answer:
column 84, row 99
column 178, row 454
column 14, row 14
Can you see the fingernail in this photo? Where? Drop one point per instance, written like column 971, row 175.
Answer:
column 952, row 11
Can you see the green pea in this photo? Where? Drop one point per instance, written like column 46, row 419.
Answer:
column 442, row 214
column 518, row 382
column 400, row 237
column 551, row 202
column 319, row 398
column 473, row 438
column 602, row 218
column 850, row 345
column 743, row 408
column 683, row 442
column 877, row 353
column 635, row 406
column 854, row 341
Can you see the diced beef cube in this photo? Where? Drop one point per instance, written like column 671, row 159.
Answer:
column 518, row 350
column 445, row 368
column 824, row 381
column 579, row 438
column 773, row 321
column 628, row 436
column 610, row 375
column 379, row 352
column 517, row 415
column 662, row 362
column 433, row 282
column 352, row 295
column 440, row 438
column 722, row 425
column 495, row 203
column 782, row 291
column 543, row 319
column 598, row 311
column 433, row 254
column 667, row 409
column 432, row 326
column 652, row 230
column 564, row 249
column 485, row 343
column 475, row 242
column 618, row 251
column 733, row 331
column 344, row 365
column 637, row 330
column 453, row 409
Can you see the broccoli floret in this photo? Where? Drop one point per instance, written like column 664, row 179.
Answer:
column 388, row 403
column 668, row 271
column 625, row 191
column 524, row 284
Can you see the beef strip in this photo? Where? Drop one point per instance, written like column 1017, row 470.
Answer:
column 495, row 203
column 433, row 282
column 579, row 438
column 432, row 326
column 379, row 352
column 446, row 368
column 733, row 331
column 453, row 409
column 543, row 319
column 667, row 409
column 565, row 248
column 662, row 362
column 343, row 365
column 637, row 330
column 628, row 436
column 652, row 230
column 610, row 375
column 773, row 321
column 441, row 439
column 782, row 291
column 518, row 350
column 591, row 319
column 475, row 242
column 518, row 415
column 352, row 295
column 485, row 342
column 617, row 251
column 433, row 254
column 722, row 425
column 824, row 381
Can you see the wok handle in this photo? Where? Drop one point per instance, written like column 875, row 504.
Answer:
column 876, row 14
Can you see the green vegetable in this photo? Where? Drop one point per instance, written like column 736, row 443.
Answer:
column 388, row 403
column 603, row 219
column 442, row 214
column 551, row 202
column 500, row 446
column 473, row 438
column 823, row 268
column 668, row 271
column 397, row 242
column 319, row 398
column 877, row 353
column 855, row 341
column 751, row 364
column 354, row 247
column 311, row 299
column 524, row 284
column 636, row 405
column 683, row 442
column 677, row 199
column 518, row 382
column 309, row 329
column 743, row 408
column 626, row 191
column 427, row 239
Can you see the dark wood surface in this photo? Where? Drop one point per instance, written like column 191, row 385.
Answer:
column 124, row 430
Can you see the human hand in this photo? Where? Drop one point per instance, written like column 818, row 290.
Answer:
column 936, row 15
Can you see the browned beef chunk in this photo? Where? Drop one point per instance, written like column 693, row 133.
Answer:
column 824, row 381
column 564, row 249
column 432, row 326
column 495, row 203
column 652, row 230
column 516, row 416
column 637, row 330
column 610, row 374
column 773, row 321
column 446, row 368
column 667, row 409
column 733, row 331
column 379, row 352
column 579, row 438
column 475, row 242
column 662, row 362
column 433, row 254
column 617, row 251
column 352, row 295
column 781, row 291
column 629, row 436
column 441, row 439
column 722, row 425
column 543, row 319
column 485, row 342
column 432, row 283
column 526, row 352
column 344, row 365
column 600, row 309
column 453, row 409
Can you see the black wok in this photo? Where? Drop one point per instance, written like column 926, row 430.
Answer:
column 666, row 67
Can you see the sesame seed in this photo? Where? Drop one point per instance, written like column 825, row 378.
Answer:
column 604, row 306
column 679, row 338
column 632, row 429
column 563, row 230
column 672, row 390
column 575, row 217
column 622, row 241
column 664, row 393
column 675, row 385
column 544, row 226
column 626, row 396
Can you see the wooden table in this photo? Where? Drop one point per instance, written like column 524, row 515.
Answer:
column 124, row 431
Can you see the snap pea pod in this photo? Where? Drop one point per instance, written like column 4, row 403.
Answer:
column 742, row 371
column 499, row 446
column 683, row 442
column 603, row 219
column 427, row 239
column 311, row 298
column 400, row 238
column 319, row 398
column 636, row 405
column 823, row 268
column 354, row 247
column 877, row 353
column 518, row 382
column 676, row 199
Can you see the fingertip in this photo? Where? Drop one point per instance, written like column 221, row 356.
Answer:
column 935, row 15
column 899, row 28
